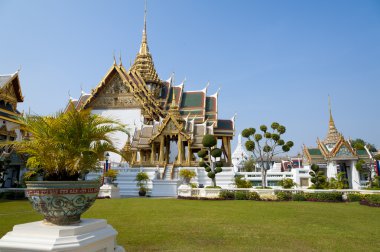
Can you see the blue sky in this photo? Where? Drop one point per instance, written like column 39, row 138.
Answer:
column 273, row 60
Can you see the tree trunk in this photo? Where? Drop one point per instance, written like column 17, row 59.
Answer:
column 214, row 182
column 263, row 182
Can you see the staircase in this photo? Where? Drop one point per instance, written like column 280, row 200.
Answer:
column 168, row 172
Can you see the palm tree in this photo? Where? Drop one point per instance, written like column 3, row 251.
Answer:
column 67, row 145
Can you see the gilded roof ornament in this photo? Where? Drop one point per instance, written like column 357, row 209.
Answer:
column 333, row 135
column 144, row 61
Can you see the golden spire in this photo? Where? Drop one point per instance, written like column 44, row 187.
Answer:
column 174, row 104
column 332, row 135
column 143, row 61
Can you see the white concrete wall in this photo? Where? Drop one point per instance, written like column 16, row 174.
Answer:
column 130, row 117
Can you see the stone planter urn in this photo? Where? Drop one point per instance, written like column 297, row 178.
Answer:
column 62, row 202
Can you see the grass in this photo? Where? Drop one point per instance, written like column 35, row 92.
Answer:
column 150, row 224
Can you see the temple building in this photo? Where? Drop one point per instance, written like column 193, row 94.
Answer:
column 10, row 129
column 165, row 121
column 335, row 154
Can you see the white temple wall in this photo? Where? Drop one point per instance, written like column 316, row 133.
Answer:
column 129, row 117
column 355, row 177
column 331, row 170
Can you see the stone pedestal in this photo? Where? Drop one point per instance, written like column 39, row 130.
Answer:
column 90, row 235
column 109, row 191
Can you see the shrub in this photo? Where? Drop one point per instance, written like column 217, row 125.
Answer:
column 227, row 195
column 324, row 196
column 241, row 195
column 371, row 200
column 354, row 197
column 287, row 183
column 284, row 196
column 299, row 196
column 253, row 196
column 241, row 183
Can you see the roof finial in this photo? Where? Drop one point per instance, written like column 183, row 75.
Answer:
column 331, row 118
column 114, row 58
column 144, row 43
column 120, row 63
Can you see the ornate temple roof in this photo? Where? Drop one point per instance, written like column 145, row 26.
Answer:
column 144, row 61
column 333, row 135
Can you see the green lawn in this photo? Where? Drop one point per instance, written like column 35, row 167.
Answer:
column 151, row 224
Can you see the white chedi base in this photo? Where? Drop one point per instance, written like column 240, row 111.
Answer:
column 90, row 235
column 109, row 191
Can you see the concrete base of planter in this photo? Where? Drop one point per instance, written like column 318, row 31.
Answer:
column 90, row 235
column 109, row 191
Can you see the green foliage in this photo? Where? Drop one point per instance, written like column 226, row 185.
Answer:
column 67, row 145
column 274, row 125
column 354, row 197
column 263, row 128
column 372, row 199
column 275, row 137
column 227, row 195
column 207, row 169
column 202, row 153
column 377, row 157
column 248, row 132
column 290, row 144
column 142, row 179
column 359, row 144
column 249, row 165
column 219, row 164
column 285, row 148
column 111, row 174
column 218, row 169
column 187, row 174
column 216, row 152
column 202, row 164
column 281, row 129
column 317, row 177
column 324, row 196
column 241, row 195
column 280, row 142
column 360, row 165
column 213, row 187
column 267, row 148
column 284, row 196
column 253, row 196
column 267, row 135
column 340, row 182
column 258, row 137
column 241, row 183
column 211, row 175
column 209, row 141
column 287, row 183
column 300, row 196
column 250, row 145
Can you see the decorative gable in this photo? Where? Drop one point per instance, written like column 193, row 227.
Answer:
column 343, row 150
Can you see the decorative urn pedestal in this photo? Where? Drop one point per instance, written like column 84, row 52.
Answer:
column 62, row 202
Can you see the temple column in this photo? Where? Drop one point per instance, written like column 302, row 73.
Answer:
column 162, row 142
column 180, row 151
column 188, row 153
column 153, row 153
column 229, row 150
column 167, row 154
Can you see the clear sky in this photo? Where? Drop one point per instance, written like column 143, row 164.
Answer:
column 273, row 60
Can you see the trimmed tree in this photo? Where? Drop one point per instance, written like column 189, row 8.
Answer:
column 208, row 157
column 317, row 177
column 363, row 167
column 265, row 145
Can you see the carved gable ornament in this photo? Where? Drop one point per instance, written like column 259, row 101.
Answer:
column 115, row 94
column 343, row 152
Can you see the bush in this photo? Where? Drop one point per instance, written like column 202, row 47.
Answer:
column 253, row 196
column 299, row 196
column 241, row 195
column 324, row 196
column 284, row 196
column 287, row 183
column 372, row 200
column 214, row 187
column 354, row 197
column 227, row 195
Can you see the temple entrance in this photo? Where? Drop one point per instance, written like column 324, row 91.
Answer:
column 173, row 149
